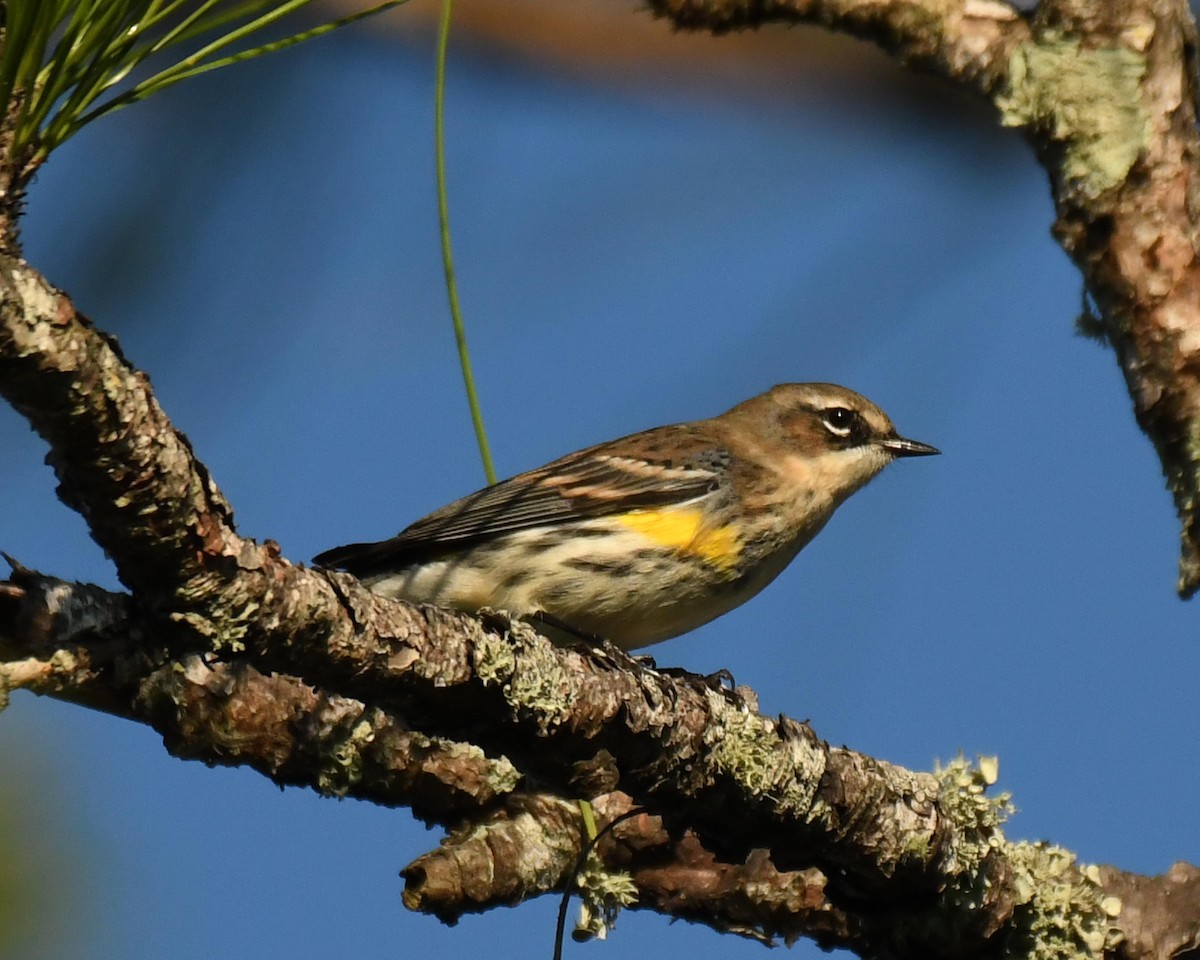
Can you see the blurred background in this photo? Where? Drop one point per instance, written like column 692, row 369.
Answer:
column 648, row 227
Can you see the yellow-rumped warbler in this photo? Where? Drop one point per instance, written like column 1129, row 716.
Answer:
column 641, row 539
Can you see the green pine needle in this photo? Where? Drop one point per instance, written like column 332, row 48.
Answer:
column 68, row 61
column 460, row 333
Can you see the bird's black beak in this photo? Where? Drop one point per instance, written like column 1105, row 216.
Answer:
column 901, row 447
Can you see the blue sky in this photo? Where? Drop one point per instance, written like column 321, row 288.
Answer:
column 263, row 242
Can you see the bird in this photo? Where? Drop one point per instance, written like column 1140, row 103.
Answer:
column 640, row 539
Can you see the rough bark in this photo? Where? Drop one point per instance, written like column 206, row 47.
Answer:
column 953, row 886
column 752, row 824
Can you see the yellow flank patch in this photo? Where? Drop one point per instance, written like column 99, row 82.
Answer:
column 684, row 530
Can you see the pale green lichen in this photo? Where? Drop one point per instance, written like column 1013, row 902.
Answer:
column 747, row 748
column 604, row 893
column 229, row 637
column 495, row 656
column 1087, row 99
column 540, row 689
column 917, row 846
column 345, row 765
column 1060, row 913
column 977, row 818
column 1061, row 908
column 962, row 796
column 501, row 776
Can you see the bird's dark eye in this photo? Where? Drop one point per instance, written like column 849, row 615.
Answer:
column 839, row 421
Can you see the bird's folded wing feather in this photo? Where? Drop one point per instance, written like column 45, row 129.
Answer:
column 592, row 483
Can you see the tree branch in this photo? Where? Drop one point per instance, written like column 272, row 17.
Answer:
column 66, row 640
column 968, row 41
column 504, row 688
column 119, row 461
column 319, row 682
column 677, row 876
column 982, row 889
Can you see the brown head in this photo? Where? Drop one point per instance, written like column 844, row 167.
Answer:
column 826, row 440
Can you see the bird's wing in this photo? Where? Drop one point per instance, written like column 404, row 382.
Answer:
column 597, row 482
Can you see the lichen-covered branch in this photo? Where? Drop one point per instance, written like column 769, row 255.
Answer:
column 969, row 41
column 119, row 461
column 503, row 859
column 238, row 656
column 982, row 890
column 1121, row 148
column 83, row 644
column 75, row 642
column 1106, row 94
column 334, row 687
